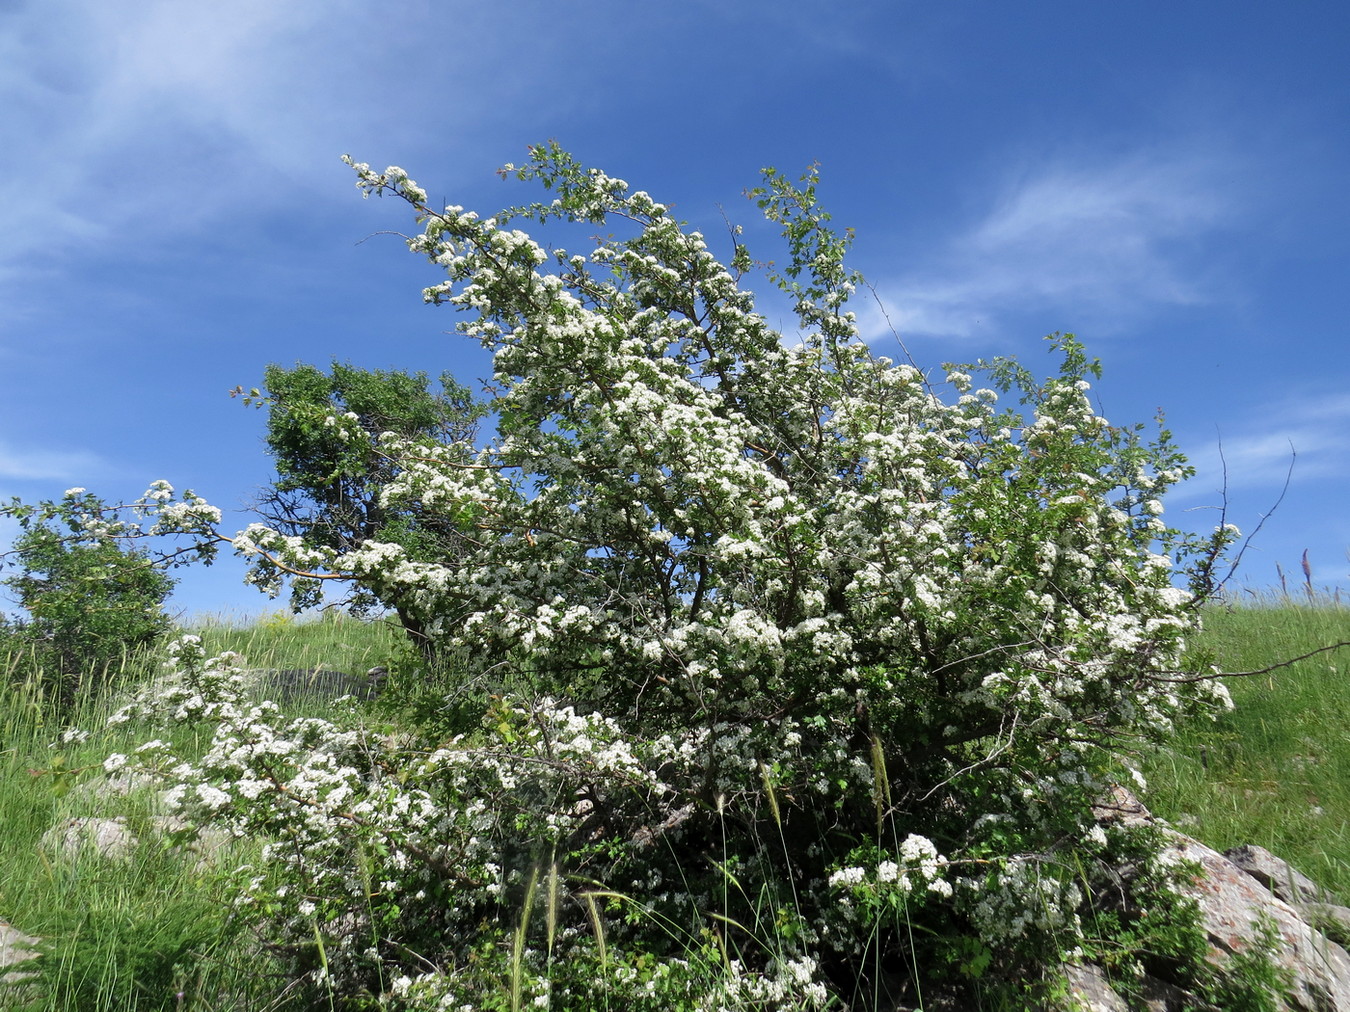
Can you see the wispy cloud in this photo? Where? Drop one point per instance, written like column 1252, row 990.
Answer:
column 1306, row 433
column 120, row 114
column 1115, row 238
column 154, row 120
column 46, row 465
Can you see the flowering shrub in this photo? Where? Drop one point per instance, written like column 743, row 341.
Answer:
column 789, row 680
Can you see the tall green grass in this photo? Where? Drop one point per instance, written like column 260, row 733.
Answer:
column 150, row 930
column 1276, row 770
column 334, row 641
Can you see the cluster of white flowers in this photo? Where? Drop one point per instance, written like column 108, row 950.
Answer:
column 1022, row 895
column 792, row 983
column 918, row 867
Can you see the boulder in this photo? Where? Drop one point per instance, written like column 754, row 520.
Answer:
column 118, row 785
column 207, row 843
column 109, row 838
column 113, row 840
column 1091, row 991
column 1233, row 907
column 1241, row 895
column 1277, row 875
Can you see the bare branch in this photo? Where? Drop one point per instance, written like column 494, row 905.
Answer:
column 1188, row 678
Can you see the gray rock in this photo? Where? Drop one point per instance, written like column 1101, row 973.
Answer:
column 113, row 840
column 1123, row 807
column 1092, row 991
column 1235, row 900
column 289, row 685
column 15, row 948
column 1233, row 905
column 1331, row 919
column 119, row 785
column 1160, row 996
column 1277, row 875
column 208, row 843
column 109, row 838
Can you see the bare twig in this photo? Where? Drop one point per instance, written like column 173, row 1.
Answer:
column 1213, row 587
column 1185, row 678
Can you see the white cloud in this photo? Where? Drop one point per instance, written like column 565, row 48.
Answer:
column 1107, row 238
column 44, row 465
column 144, row 122
column 1307, row 432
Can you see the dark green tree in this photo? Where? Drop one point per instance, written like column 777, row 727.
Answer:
column 92, row 604
column 327, row 489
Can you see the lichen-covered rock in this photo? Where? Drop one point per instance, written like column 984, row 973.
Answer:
column 118, row 785
column 1277, row 875
column 1234, row 906
column 1250, row 902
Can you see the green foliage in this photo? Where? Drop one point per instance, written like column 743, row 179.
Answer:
column 329, row 477
column 783, row 680
column 1136, row 921
column 117, row 935
column 1254, row 980
column 93, row 604
column 227, row 971
column 331, row 481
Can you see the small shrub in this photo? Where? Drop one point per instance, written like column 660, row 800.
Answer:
column 1253, row 979
column 94, row 606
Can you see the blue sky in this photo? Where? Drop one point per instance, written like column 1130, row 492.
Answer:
column 1165, row 180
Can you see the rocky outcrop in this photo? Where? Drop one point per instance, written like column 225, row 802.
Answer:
column 289, row 685
column 1234, row 908
column 1249, row 901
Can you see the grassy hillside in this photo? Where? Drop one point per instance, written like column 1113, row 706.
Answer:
column 1276, row 770
column 149, row 931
